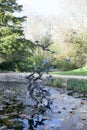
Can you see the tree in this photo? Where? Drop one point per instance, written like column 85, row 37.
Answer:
column 14, row 48
column 80, row 43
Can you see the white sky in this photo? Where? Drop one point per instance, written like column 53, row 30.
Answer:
column 44, row 7
column 62, row 8
column 71, row 11
column 67, row 10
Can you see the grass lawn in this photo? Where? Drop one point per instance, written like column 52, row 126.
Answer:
column 81, row 71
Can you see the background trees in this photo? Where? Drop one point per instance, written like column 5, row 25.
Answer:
column 69, row 37
column 80, row 46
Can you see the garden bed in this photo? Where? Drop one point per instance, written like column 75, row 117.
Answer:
column 72, row 82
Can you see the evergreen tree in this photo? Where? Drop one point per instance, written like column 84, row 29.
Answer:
column 14, row 48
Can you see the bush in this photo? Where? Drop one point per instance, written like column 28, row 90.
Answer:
column 56, row 82
column 77, row 84
column 65, row 65
column 7, row 66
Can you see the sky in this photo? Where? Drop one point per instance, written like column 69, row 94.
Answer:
column 72, row 12
column 61, row 8
column 44, row 7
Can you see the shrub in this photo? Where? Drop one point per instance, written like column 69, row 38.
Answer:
column 7, row 66
column 56, row 82
column 77, row 84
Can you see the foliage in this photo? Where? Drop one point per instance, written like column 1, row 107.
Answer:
column 14, row 48
column 77, row 84
column 73, row 52
column 63, row 63
column 72, row 83
column 80, row 43
column 41, row 52
column 29, row 63
column 56, row 82
column 76, row 57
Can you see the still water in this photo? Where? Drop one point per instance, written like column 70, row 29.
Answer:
column 17, row 112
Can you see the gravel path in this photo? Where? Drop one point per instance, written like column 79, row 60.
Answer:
column 20, row 77
column 70, row 76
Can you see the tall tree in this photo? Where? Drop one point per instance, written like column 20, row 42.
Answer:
column 13, row 45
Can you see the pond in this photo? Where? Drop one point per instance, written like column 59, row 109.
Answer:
column 68, row 111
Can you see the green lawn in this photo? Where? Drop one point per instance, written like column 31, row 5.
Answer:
column 81, row 71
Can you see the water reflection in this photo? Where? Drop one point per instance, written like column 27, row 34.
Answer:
column 15, row 114
column 12, row 116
